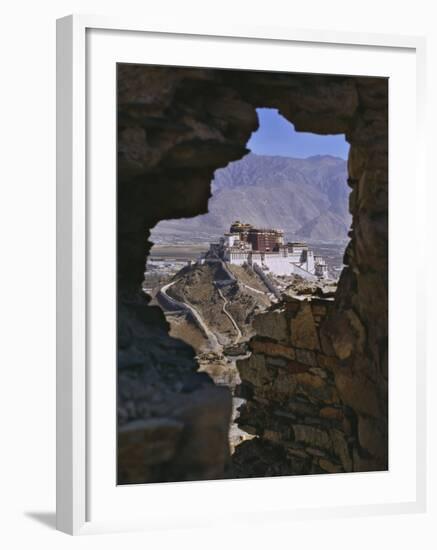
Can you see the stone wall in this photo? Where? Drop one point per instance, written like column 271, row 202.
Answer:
column 298, row 398
column 176, row 126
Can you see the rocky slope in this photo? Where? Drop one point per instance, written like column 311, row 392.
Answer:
column 221, row 306
column 308, row 198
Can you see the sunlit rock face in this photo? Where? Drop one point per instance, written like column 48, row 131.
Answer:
column 176, row 126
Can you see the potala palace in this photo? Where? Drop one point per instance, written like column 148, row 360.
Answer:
column 265, row 248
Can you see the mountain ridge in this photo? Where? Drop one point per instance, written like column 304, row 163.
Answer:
column 306, row 197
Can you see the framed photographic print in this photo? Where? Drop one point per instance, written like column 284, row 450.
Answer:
column 235, row 207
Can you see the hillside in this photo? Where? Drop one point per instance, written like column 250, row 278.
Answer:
column 196, row 286
column 308, row 198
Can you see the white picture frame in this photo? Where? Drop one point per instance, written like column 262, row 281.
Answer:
column 74, row 463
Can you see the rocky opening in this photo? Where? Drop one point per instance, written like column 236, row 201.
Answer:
column 316, row 382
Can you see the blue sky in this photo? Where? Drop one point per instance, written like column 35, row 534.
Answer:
column 277, row 136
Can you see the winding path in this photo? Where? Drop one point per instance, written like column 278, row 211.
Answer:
column 171, row 304
column 176, row 305
column 229, row 316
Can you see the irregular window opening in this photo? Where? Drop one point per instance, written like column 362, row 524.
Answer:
column 277, row 223
column 316, row 382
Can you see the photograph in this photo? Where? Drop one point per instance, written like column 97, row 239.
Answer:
column 252, row 273
column 218, row 282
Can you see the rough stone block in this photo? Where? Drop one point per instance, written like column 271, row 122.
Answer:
column 315, row 388
column 306, row 357
column 292, row 304
column 315, row 452
column 204, row 449
column 341, row 336
column 272, row 435
column 303, row 330
column 341, row 449
column 368, row 464
column 254, row 370
column 329, row 466
column 298, row 453
column 148, row 442
column 325, row 342
column 357, row 391
column 319, row 372
column 276, row 362
column 272, row 348
column 294, row 367
column 271, row 324
column 301, row 408
column 284, row 414
column 332, row 413
column 319, row 309
column 327, row 362
column 249, row 429
column 283, row 385
column 311, row 436
column 356, row 162
column 370, row 437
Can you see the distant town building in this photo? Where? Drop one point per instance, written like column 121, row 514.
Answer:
column 262, row 240
column 245, row 244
